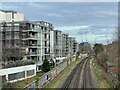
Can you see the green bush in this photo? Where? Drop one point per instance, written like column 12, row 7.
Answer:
column 46, row 66
column 8, row 86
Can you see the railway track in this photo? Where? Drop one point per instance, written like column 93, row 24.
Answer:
column 87, row 80
column 72, row 80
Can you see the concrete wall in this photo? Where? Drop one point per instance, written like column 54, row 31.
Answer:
column 8, row 71
column 52, row 53
column 2, row 16
column 19, row 17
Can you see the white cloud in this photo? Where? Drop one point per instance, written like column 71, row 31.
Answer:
column 54, row 15
column 111, row 13
column 73, row 27
column 94, row 33
column 9, row 7
column 36, row 5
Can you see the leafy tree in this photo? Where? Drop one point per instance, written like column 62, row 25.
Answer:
column 77, row 55
column 11, row 54
column 98, row 48
column 46, row 66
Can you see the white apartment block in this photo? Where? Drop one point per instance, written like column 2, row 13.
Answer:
column 73, row 46
column 11, row 74
column 56, row 43
column 52, row 44
column 9, row 16
column 65, row 44
column 71, row 43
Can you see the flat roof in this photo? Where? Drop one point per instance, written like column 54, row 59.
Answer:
column 7, row 11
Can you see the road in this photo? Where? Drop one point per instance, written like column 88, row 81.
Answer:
column 80, row 77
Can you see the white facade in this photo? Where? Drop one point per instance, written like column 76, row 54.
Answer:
column 55, row 44
column 2, row 16
column 14, row 70
column 9, row 16
column 52, row 51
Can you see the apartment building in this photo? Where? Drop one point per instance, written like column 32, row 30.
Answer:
column 14, row 66
column 71, row 45
column 36, row 41
column 65, row 44
column 10, row 15
column 30, row 43
column 44, row 41
column 52, row 44
column 32, row 39
column 76, row 47
column 56, row 45
column 11, row 40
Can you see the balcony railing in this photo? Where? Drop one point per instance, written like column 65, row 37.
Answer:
column 31, row 36
column 33, row 53
column 32, row 44
column 11, row 64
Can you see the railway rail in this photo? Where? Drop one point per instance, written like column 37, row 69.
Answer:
column 88, row 80
column 73, row 79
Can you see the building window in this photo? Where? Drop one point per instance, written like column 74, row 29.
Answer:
column 42, row 28
column 15, row 76
column 30, row 72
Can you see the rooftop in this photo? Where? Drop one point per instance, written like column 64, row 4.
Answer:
column 7, row 11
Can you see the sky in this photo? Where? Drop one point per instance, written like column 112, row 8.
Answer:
column 95, row 21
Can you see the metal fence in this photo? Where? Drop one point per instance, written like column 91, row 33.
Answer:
column 46, row 77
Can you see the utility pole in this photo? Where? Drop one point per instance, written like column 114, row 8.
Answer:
column 86, row 36
column 107, row 39
column 79, row 32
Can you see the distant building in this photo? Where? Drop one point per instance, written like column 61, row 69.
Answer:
column 76, row 47
column 56, row 43
column 65, row 44
column 72, row 46
column 84, row 43
column 85, row 47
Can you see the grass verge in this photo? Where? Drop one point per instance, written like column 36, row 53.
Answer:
column 99, row 73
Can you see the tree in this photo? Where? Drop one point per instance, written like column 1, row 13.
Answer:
column 77, row 55
column 98, row 48
column 11, row 54
column 46, row 66
column 85, row 48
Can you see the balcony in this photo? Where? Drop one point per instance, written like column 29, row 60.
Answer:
column 46, row 39
column 33, row 45
column 30, row 30
column 33, row 30
column 33, row 53
column 33, row 37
